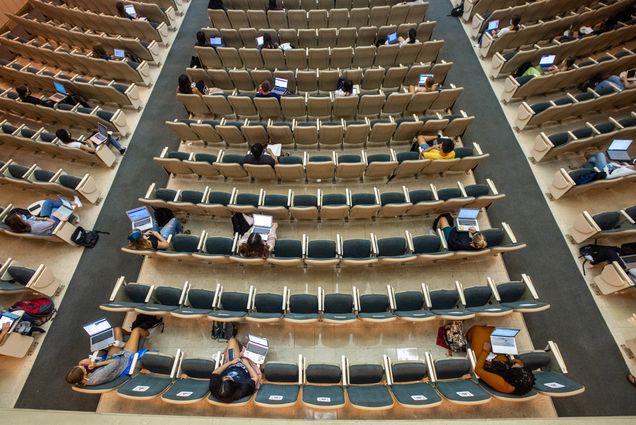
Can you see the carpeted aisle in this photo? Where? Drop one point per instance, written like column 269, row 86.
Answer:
column 100, row 267
column 573, row 321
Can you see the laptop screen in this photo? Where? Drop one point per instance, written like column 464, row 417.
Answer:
column 280, row 82
column 120, row 53
column 423, row 78
column 547, row 60
column 468, row 213
column 620, row 145
column 259, row 41
column 138, row 214
column 261, row 220
column 59, row 87
column 96, row 327
column 101, row 128
column 130, row 9
column 257, row 349
column 392, row 38
column 9, row 318
column 215, row 41
column 505, row 332
column 493, row 25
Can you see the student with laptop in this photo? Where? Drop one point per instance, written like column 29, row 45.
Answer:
column 91, row 143
column 426, row 84
column 494, row 30
column 265, row 90
column 614, row 169
column 410, row 39
column 259, row 240
column 25, row 96
column 495, row 366
column 260, row 156
column 42, row 217
column 470, row 239
column 148, row 232
column 265, row 42
column 100, row 53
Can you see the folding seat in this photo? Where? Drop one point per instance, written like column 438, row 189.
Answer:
column 231, row 38
column 218, row 105
column 281, row 385
column 484, row 301
column 346, row 37
column 321, row 253
column 246, row 203
column 260, row 172
column 331, row 133
column 375, row 308
column 281, row 132
column 308, row 4
column 273, row 59
column 378, row 15
column 277, row 19
column 295, row 59
column 288, row 253
column 243, row 106
column 393, row 250
column 429, row 51
column 429, row 248
column 393, row 78
column 363, row 56
column 197, row 303
column 410, row 164
column 303, row 308
column 350, row 166
column 193, row 103
column 327, row 37
column 338, row 18
column 454, row 385
column 206, row 130
column 407, row 383
column 307, row 81
column 502, row 240
column 230, row 166
column 320, row 167
column 449, row 304
column 484, row 194
column 172, row 161
column 550, row 372
column 380, row 165
column 303, row 207
column 433, row 124
column 386, row 55
column 333, row 206
column 296, row 18
column 163, row 300
column 318, row 18
column 266, row 308
column 366, row 36
column 238, row 18
column 255, row 131
column 219, row 19
column 258, row 19
column 193, row 383
column 157, row 374
column 366, row 388
column 288, row 35
column 372, row 80
column 306, row 134
column 233, row 306
column 251, row 57
column 440, row 166
column 345, row 107
column 421, row 102
column 307, row 38
column 183, row 246
column 356, row 133
column 160, row 197
column 358, row 252
column 319, row 107
column 216, row 203
column 126, row 296
column 417, row 12
column 370, row 105
column 446, row 99
column 229, row 57
column 454, row 198
column 412, row 306
column 396, row 104
column 209, row 57
column 294, row 107
column 183, row 130
column 275, row 205
column 216, row 250
column 341, row 57
column 323, row 387
column 521, row 296
column 363, row 205
column 358, row 17
column 290, row 168
column 394, row 204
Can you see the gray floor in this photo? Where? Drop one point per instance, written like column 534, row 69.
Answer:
column 100, row 267
column 574, row 321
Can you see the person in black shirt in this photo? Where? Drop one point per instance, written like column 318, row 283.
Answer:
column 24, row 93
column 259, row 156
column 121, row 11
column 472, row 240
column 236, row 378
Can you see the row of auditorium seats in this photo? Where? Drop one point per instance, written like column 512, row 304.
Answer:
column 321, row 106
column 609, row 64
column 42, row 141
column 318, row 18
column 564, row 183
column 89, row 88
column 355, row 133
column 159, row 11
column 324, row 81
column 322, row 37
column 38, row 281
column 74, row 60
column 326, row 206
column 421, row 305
column 49, row 181
column 503, row 64
column 484, row 7
column 545, row 31
column 321, row 167
column 114, row 25
column 371, row 387
column 605, row 225
column 598, row 136
column 61, row 233
column 423, row 249
column 320, row 57
column 311, row 4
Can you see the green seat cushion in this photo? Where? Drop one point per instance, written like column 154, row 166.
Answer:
column 191, row 311
column 317, row 395
column 107, row 386
column 370, row 396
column 277, row 394
column 462, row 391
column 555, row 383
column 414, row 314
column 417, row 394
column 188, row 390
column 228, row 314
column 147, row 385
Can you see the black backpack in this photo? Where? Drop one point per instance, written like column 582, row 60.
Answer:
column 458, row 11
column 596, row 254
column 86, row 238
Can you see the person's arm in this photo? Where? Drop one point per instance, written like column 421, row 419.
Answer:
column 4, row 333
column 87, row 146
column 271, row 154
column 219, row 370
column 162, row 243
column 271, row 238
column 255, row 377
column 492, row 379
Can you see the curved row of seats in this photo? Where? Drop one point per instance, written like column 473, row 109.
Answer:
column 423, row 249
column 318, row 18
column 61, row 233
column 420, row 305
column 42, row 141
column 324, row 81
column 324, row 168
column 608, row 64
column 605, row 225
column 310, row 4
column 564, row 183
column 356, row 133
column 321, row 37
column 105, row 92
column 326, row 206
column 74, row 60
column 319, row 57
column 483, row 7
column 157, row 11
column 316, row 106
column 40, row 280
column 49, row 181
column 598, row 135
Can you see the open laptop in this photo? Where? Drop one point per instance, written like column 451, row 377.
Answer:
column 628, row 262
column 493, row 25
column 63, row 212
column 216, row 42
column 100, row 333
column 280, row 86
column 119, row 53
column 140, row 218
column 101, row 136
column 262, row 224
column 467, row 218
column 10, row 318
column 547, row 61
column 392, row 38
column 502, row 341
column 617, row 150
column 631, row 74
column 260, row 41
column 60, row 92
column 423, row 78
column 256, row 349
column 130, row 9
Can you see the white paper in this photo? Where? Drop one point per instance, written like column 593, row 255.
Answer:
column 275, row 148
column 324, row 399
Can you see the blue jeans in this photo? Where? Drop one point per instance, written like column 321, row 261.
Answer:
column 599, row 160
column 114, row 142
column 613, row 79
column 48, row 207
column 170, row 229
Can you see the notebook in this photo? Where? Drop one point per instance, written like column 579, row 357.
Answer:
column 256, row 349
column 493, row 25
column 216, row 41
column 141, row 219
column 547, row 61
column 467, row 218
column 391, row 38
column 100, row 333
column 275, row 148
column 262, row 224
column 617, row 150
column 101, row 136
column 502, row 341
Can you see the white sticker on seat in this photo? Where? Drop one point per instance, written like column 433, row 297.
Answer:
column 141, row 388
column 418, row 397
column 324, row 399
column 465, row 394
column 492, row 309
column 184, row 393
column 276, row 397
column 526, row 305
column 553, row 385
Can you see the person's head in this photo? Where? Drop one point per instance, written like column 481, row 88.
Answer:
column 76, row 375
column 478, row 241
column 257, row 150
column 16, row 224
column 429, row 83
column 272, row 4
column 227, row 390
column 267, row 40
column 347, row 86
column 63, row 135
column 254, row 247
column 137, row 240
column 412, row 35
column 266, row 87
column 23, row 91
column 120, row 9
column 568, row 62
column 515, row 20
column 99, row 51
column 201, row 40
column 185, row 85
column 380, row 41
column 447, row 145
column 514, row 373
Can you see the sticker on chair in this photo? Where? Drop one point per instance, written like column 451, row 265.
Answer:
column 465, row 394
column 419, row 397
column 324, row 399
column 554, row 385
column 141, row 388
column 184, row 393
column 276, row 397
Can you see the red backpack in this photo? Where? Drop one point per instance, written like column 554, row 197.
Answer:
column 37, row 310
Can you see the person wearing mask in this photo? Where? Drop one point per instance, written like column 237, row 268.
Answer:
column 472, row 240
column 345, row 90
column 260, row 156
column 265, row 90
column 236, row 378
column 86, row 145
column 411, row 39
column 25, row 96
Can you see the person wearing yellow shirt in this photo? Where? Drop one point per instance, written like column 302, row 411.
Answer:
column 444, row 148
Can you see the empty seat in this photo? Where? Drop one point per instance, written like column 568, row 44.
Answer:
column 366, row 389
column 323, row 386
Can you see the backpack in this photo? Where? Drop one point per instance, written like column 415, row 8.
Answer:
column 593, row 175
column 37, row 311
column 457, row 11
column 239, row 224
column 86, row 238
column 628, row 248
column 163, row 216
column 454, row 336
column 596, row 254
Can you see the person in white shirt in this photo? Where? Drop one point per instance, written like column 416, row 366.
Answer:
column 411, row 39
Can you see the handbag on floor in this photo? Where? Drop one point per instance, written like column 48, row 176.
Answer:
column 454, row 336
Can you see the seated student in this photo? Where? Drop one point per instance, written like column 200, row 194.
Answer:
column 345, row 90
column 186, row 86
column 216, row 4
column 202, row 40
column 237, row 377
column 496, row 33
column 272, row 5
column 442, row 148
column 259, row 155
column 268, row 43
column 457, row 240
column 565, row 65
column 118, row 360
column 617, row 82
column 429, row 86
column 612, row 170
column 252, row 245
column 22, row 221
column 157, row 238
column 265, row 90
column 380, row 41
column 86, row 145
column 100, row 53
column 411, row 39
column 24, row 94
column 4, row 332
column 502, row 373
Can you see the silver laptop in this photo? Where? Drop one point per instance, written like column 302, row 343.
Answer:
column 101, row 136
column 260, row 41
column 141, row 219
column 60, row 92
column 100, row 333
column 256, row 349
column 502, row 341
column 262, row 224
column 466, row 219
column 119, row 53
column 216, row 42
column 617, row 150
column 280, row 86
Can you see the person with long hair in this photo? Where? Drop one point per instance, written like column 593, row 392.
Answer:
column 157, row 238
column 268, row 43
column 186, row 86
column 64, row 136
column 236, row 378
column 202, row 40
column 472, row 240
column 505, row 374
column 411, row 39
column 265, row 90
column 44, row 223
column 252, row 245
